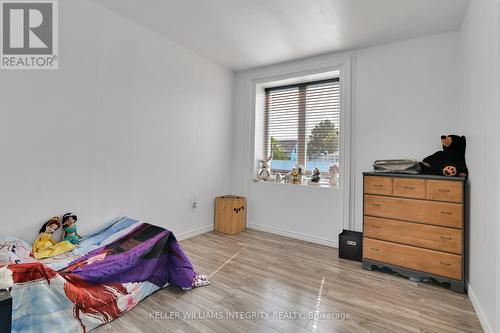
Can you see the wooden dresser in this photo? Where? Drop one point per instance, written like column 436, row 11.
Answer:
column 414, row 225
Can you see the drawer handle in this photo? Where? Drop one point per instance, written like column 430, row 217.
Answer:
column 446, row 213
column 408, row 187
column 376, row 205
column 378, row 185
column 444, row 263
column 446, row 238
column 374, row 249
column 443, row 190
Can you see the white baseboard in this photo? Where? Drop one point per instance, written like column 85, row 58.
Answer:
column 291, row 234
column 487, row 328
column 193, row 233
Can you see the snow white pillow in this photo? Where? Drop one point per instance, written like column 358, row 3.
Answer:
column 14, row 251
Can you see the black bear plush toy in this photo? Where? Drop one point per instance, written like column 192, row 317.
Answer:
column 448, row 162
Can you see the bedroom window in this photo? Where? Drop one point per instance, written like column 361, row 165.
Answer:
column 301, row 126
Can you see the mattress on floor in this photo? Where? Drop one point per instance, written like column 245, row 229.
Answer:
column 110, row 273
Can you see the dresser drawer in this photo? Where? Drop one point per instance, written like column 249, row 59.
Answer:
column 378, row 185
column 421, row 235
column 444, row 190
column 408, row 188
column 430, row 212
column 434, row 262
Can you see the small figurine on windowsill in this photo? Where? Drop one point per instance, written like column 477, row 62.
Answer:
column 286, row 179
column 316, row 176
column 265, row 169
column 277, row 178
column 69, row 227
column 297, row 173
column 334, row 171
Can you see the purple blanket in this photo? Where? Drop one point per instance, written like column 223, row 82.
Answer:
column 101, row 285
column 148, row 253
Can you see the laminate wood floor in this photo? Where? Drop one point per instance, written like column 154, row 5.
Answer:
column 280, row 284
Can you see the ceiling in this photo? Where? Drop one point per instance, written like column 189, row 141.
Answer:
column 242, row 34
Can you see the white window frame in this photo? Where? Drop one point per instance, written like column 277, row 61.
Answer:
column 308, row 72
column 302, row 116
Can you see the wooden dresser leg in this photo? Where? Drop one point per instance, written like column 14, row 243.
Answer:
column 367, row 265
column 457, row 286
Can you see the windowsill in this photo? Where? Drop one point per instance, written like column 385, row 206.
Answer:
column 323, row 184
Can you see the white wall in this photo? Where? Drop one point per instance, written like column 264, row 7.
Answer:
column 405, row 96
column 296, row 211
column 131, row 124
column 480, row 119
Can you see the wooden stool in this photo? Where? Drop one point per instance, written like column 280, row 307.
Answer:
column 230, row 214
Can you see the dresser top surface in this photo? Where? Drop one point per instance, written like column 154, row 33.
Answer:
column 405, row 175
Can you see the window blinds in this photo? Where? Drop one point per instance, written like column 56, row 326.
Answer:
column 301, row 125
